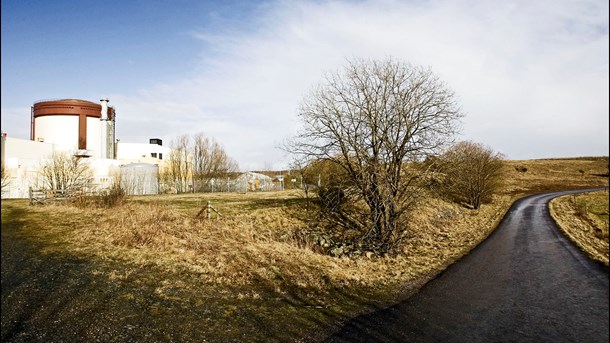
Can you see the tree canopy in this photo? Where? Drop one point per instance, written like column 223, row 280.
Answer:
column 371, row 119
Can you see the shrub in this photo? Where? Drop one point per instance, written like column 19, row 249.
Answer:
column 473, row 172
column 331, row 198
column 114, row 196
column 521, row 169
column 110, row 197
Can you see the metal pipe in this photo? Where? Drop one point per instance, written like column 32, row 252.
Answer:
column 104, row 129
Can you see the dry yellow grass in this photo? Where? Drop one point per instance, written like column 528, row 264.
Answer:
column 547, row 175
column 245, row 247
column 584, row 220
column 250, row 255
column 249, row 246
column 252, row 241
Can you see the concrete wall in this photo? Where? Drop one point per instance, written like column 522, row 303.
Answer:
column 22, row 160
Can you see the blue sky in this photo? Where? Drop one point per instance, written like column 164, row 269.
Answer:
column 531, row 76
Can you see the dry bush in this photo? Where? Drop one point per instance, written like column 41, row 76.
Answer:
column 67, row 173
column 521, row 169
column 473, row 173
column 106, row 198
column 114, row 196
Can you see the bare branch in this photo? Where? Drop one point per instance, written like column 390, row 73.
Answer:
column 372, row 119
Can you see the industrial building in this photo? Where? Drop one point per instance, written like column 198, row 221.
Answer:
column 75, row 125
column 81, row 128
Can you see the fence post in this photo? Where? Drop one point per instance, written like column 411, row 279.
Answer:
column 208, row 210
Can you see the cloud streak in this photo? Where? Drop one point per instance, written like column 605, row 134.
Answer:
column 531, row 76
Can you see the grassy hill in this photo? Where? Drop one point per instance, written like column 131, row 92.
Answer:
column 248, row 275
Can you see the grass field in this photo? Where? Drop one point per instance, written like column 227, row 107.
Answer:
column 584, row 219
column 248, row 269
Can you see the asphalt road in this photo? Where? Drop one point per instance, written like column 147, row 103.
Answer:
column 525, row 283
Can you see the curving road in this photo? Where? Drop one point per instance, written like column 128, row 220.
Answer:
column 525, row 283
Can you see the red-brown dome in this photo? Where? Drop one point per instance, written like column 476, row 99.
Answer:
column 67, row 107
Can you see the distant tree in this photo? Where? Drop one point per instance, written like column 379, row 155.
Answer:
column 210, row 160
column 473, row 172
column 371, row 119
column 325, row 173
column 178, row 171
column 65, row 172
column 194, row 161
column 309, row 174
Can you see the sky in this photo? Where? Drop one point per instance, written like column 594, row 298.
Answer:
column 530, row 76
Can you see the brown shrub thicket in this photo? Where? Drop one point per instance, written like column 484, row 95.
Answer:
column 473, row 173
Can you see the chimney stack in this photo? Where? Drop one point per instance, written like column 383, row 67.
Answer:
column 104, row 133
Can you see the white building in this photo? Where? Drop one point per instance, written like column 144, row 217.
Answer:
column 80, row 128
column 153, row 152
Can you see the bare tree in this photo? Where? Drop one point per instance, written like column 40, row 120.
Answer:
column 201, row 159
column 210, row 160
column 5, row 178
column 473, row 172
column 65, row 172
column 180, row 166
column 371, row 119
column 194, row 162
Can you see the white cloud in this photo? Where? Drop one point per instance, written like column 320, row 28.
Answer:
column 531, row 75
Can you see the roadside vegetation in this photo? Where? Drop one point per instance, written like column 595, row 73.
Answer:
column 583, row 218
column 250, row 272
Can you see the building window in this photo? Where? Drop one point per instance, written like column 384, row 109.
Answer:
column 160, row 156
column 154, row 154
